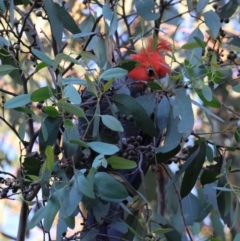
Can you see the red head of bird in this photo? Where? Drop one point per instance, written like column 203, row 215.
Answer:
column 152, row 61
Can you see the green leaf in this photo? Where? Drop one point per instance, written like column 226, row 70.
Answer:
column 129, row 106
column 52, row 207
column 112, row 123
column 70, row 199
column 237, row 135
column 154, row 86
column 2, row 7
column 103, row 148
column 67, row 19
column 18, row 101
column 42, row 94
column 128, row 64
column 113, row 73
column 101, row 210
column 224, row 200
column 84, row 185
column 108, row 84
column 112, row 17
column 7, row 59
column 70, row 149
column 210, row 174
column 148, row 102
column 74, row 81
column 24, row 110
column 68, row 123
column 6, row 69
column 162, row 230
column 200, row 42
column 191, row 45
column 49, row 158
column 145, row 9
column 207, row 111
column 63, row 57
column 213, row 22
column 72, row 94
column 191, row 174
column 80, row 143
column 182, row 107
column 236, row 217
column 228, row 10
column 163, row 112
column 162, row 157
column 236, row 88
column 209, row 153
column 50, row 126
column 191, row 208
column 55, row 22
column 51, row 111
column 44, row 131
column 117, row 162
column 42, row 56
column 11, row 12
column 88, row 56
column 207, row 93
column 32, row 166
column 201, row 5
column 91, row 85
column 213, row 103
column 40, row 66
column 237, row 237
column 108, row 188
column 80, row 35
column 172, row 137
column 38, row 216
column 22, row 130
column 72, row 109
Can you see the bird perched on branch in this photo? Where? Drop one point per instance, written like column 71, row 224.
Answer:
column 138, row 145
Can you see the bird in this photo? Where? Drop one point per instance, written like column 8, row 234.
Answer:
column 151, row 65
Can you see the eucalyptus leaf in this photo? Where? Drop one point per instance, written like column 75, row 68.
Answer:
column 112, row 123
column 213, row 22
column 72, row 94
column 236, row 88
column 18, row 101
column 144, row 9
column 229, row 9
column 49, row 157
column 54, row 19
column 71, row 109
column 67, row 19
column 113, row 73
column 103, row 148
column 108, row 188
column 201, row 5
column 207, row 93
column 128, row 105
column 74, row 81
column 42, row 94
column 117, row 162
column 6, row 69
column 63, row 57
column 191, row 174
column 42, row 56
column 182, row 107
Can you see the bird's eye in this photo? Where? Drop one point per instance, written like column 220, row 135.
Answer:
column 150, row 72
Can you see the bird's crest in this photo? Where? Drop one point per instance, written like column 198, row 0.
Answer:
column 152, row 61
